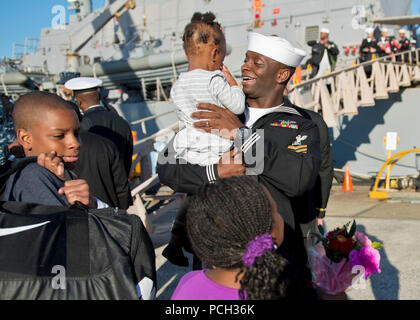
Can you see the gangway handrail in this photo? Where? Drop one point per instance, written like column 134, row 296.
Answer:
column 336, row 72
column 151, row 117
column 344, row 91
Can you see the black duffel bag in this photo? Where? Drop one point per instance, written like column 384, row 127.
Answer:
column 56, row 253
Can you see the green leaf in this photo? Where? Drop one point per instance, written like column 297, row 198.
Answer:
column 318, row 236
column 321, row 230
column 352, row 229
column 377, row 245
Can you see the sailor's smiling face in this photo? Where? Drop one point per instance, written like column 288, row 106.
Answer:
column 258, row 74
column 261, row 75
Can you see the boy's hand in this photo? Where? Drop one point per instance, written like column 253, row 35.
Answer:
column 221, row 120
column 78, row 190
column 52, row 163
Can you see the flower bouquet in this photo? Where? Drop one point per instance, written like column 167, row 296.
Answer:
column 340, row 255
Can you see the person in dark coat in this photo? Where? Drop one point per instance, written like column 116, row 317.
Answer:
column 101, row 166
column 401, row 45
column 324, row 55
column 280, row 147
column 385, row 43
column 97, row 119
column 369, row 47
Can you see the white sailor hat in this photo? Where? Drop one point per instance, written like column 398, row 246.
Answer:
column 402, row 30
column 384, row 29
column 83, row 83
column 325, row 30
column 276, row 48
column 369, row 30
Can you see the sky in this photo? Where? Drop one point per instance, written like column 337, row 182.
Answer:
column 25, row 18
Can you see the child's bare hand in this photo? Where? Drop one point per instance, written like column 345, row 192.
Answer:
column 52, row 163
column 229, row 78
column 78, row 190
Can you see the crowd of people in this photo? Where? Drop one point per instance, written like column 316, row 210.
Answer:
column 257, row 170
column 378, row 43
column 385, row 45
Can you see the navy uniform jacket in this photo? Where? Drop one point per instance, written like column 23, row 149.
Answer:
column 316, row 200
column 111, row 126
column 367, row 56
column 101, row 166
column 404, row 45
column 291, row 161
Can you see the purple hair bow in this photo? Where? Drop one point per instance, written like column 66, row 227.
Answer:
column 256, row 248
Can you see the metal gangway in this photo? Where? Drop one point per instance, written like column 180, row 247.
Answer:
column 343, row 91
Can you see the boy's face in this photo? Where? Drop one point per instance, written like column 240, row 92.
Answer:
column 57, row 131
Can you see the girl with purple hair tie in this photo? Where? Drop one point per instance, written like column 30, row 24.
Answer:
column 235, row 229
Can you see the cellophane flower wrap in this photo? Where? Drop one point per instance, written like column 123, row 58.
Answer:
column 335, row 255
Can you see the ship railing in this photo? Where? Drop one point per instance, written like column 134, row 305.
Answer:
column 342, row 92
column 143, row 121
column 148, row 179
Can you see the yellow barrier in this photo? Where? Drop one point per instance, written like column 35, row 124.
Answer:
column 391, row 161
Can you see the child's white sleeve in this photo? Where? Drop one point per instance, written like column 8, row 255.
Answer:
column 232, row 98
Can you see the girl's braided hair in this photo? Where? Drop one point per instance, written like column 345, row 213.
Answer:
column 222, row 218
column 203, row 29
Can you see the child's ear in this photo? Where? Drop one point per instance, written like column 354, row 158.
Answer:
column 214, row 53
column 24, row 138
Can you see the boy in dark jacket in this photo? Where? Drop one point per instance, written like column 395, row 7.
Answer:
column 48, row 128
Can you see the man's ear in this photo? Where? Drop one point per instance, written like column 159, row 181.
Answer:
column 25, row 139
column 79, row 102
column 283, row 75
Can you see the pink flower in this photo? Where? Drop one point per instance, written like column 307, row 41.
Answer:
column 362, row 239
column 367, row 257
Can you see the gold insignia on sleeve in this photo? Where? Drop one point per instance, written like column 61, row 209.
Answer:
column 299, row 149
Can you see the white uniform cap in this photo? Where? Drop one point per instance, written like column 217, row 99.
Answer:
column 384, row 30
column 369, row 30
column 276, row 48
column 413, row 41
column 325, row 30
column 402, row 31
column 83, row 83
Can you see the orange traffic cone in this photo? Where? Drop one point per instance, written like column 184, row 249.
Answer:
column 347, row 184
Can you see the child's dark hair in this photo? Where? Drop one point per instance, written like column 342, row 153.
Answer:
column 34, row 103
column 202, row 29
column 222, row 218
